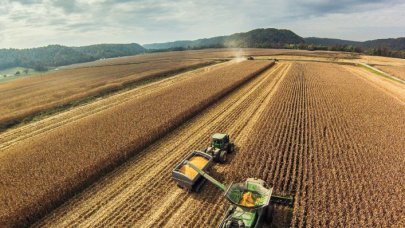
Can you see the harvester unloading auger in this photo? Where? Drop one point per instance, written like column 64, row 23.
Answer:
column 252, row 202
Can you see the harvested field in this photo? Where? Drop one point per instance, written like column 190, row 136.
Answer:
column 397, row 71
column 330, row 135
column 26, row 99
column 215, row 54
column 316, row 131
column 380, row 60
column 55, row 164
column 13, row 136
column 23, row 98
column 142, row 192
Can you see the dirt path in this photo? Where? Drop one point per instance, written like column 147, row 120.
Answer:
column 13, row 136
column 141, row 192
column 383, row 73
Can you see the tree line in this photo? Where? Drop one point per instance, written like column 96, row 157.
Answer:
column 40, row 59
column 378, row 51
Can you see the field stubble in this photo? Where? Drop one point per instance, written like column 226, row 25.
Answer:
column 318, row 131
column 13, row 136
column 304, row 129
column 58, row 163
column 141, row 193
column 26, row 98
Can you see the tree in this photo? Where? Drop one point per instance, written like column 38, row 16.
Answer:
column 17, row 73
column 26, row 71
column 358, row 49
column 39, row 67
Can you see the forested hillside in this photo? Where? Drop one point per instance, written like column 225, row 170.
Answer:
column 282, row 38
column 258, row 38
column 42, row 58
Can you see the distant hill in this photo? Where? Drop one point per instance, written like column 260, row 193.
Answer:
column 395, row 44
column 258, row 38
column 282, row 38
column 391, row 43
column 56, row 55
column 42, row 58
column 329, row 42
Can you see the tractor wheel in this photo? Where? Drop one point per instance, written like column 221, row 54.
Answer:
column 217, row 156
column 222, row 156
column 231, row 148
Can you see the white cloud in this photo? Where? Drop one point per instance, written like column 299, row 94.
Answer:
column 29, row 23
column 363, row 25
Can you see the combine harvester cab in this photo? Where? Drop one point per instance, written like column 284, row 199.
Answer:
column 186, row 177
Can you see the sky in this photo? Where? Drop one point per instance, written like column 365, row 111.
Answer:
column 35, row 23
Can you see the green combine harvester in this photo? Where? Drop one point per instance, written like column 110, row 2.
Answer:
column 251, row 202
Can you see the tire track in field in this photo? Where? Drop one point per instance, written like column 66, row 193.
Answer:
column 211, row 199
column 165, row 181
column 130, row 193
column 168, row 164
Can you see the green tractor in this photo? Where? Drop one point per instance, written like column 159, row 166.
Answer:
column 220, row 147
column 251, row 202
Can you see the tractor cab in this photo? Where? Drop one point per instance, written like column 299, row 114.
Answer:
column 219, row 141
column 220, row 146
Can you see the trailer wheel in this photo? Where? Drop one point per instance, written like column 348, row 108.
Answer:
column 182, row 187
column 222, row 156
column 178, row 185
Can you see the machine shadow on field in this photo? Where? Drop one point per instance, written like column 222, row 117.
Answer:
column 282, row 217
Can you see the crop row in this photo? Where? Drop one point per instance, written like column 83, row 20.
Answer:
column 140, row 192
column 334, row 143
column 51, row 167
column 26, row 97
